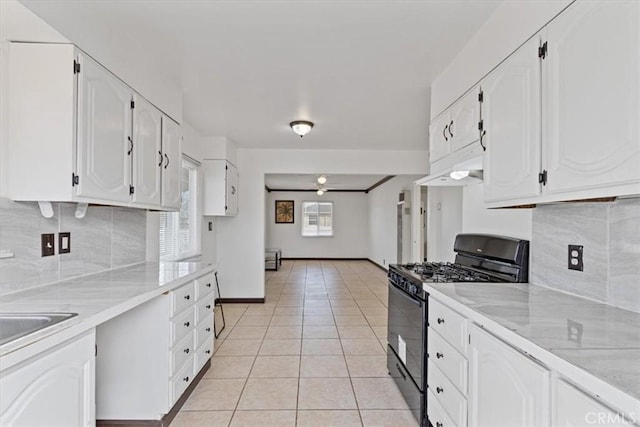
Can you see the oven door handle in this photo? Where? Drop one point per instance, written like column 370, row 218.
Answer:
column 407, row 296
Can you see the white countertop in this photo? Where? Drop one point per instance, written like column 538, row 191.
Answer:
column 96, row 298
column 609, row 348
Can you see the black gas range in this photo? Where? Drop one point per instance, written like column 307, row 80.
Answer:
column 480, row 258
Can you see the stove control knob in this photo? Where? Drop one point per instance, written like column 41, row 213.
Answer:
column 413, row 289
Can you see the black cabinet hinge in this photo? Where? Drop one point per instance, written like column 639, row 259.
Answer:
column 481, row 96
column 226, row 167
column 96, row 350
column 76, row 67
column 75, row 179
column 481, row 125
column 132, row 190
column 542, row 177
column 542, row 51
column 133, row 104
column 226, row 208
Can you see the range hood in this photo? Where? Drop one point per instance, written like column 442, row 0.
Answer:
column 464, row 167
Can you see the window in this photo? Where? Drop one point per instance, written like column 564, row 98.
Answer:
column 317, row 218
column 179, row 230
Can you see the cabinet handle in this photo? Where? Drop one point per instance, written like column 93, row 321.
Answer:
column 440, row 320
column 439, row 355
column 188, row 297
column 208, row 351
column 167, row 159
column 439, row 390
column 185, row 379
column 208, row 285
column 208, row 329
column 444, row 132
column 450, row 127
column 233, row 189
column 439, row 424
column 187, row 324
column 130, row 146
column 160, row 164
column 186, row 350
column 208, row 306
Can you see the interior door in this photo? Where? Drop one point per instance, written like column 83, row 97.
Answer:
column 511, row 119
column 147, row 152
column 104, row 131
column 592, row 96
column 172, row 163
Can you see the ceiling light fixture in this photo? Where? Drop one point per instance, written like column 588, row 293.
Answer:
column 301, row 127
column 322, row 179
column 459, row 174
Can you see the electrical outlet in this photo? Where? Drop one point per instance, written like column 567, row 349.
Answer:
column 575, row 257
column 64, row 243
column 574, row 331
column 48, row 244
column 384, row 262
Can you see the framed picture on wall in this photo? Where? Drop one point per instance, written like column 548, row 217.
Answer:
column 284, row 211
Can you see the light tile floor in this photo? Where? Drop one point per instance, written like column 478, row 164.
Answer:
column 312, row 355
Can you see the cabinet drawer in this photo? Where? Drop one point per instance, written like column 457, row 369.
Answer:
column 181, row 353
column 181, row 325
column 180, row 382
column 453, row 364
column 437, row 415
column 205, row 285
column 204, row 308
column 182, row 297
column 449, row 324
column 453, row 402
column 204, row 330
column 202, row 355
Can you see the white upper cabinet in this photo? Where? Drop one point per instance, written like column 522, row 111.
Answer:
column 439, row 137
column 146, row 148
column 506, row 387
column 591, row 84
column 79, row 134
column 465, row 115
column 562, row 114
column 511, row 122
column 104, row 133
column 171, row 163
column 220, row 188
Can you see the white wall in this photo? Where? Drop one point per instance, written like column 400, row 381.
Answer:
column 383, row 232
column 350, row 226
column 512, row 23
column 241, row 240
column 507, row 222
column 444, row 222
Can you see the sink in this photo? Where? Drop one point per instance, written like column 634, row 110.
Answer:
column 17, row 325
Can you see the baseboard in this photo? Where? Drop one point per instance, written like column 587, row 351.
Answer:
column 325, row 259
column 241, row 300
column 167, row 418
column 385, row 269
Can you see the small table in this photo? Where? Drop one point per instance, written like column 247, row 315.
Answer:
column 272, row 257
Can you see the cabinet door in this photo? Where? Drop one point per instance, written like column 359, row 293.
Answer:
column 506, row 387
column 54, row 389
column 231, row 191
column 511, row 119
column 147, row 152
column 172, row 164
column 575, row 408
column 465, row 115
column 591, row 95
column 439, row 137
column 104, row 131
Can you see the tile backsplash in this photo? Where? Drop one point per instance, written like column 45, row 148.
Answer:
column 107, row 237
column 610, row 234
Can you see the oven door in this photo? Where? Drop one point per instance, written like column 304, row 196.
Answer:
column 406, row 329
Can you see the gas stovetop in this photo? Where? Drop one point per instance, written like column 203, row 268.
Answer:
column 445, row 272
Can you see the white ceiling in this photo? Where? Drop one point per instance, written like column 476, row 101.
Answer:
column 309, row 182
column 359, row 69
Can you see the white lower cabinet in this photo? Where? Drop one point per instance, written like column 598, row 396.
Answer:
column 575, row 408
column 507, row 388
column 55, row 388
column 148, row 356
